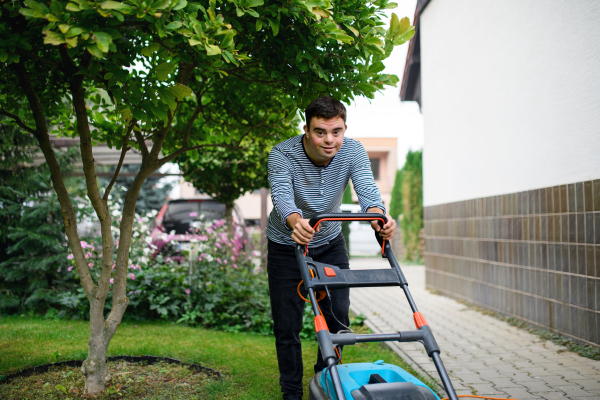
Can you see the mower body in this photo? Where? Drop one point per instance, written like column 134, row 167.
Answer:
column 358, row 383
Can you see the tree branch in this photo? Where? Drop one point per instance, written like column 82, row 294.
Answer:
column 124, row 150
column 139, row 138
column 69, row 218
column 18, row 121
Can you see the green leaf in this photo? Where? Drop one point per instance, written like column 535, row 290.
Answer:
column 255, row 3
column 61, row 388
column 147, row 51
column 228, row 39
column 294, row 80
column 366, row 87
column 174, row 25
column 354, row 31
column 212, row 50
column 319, row 86
column 163, row 70
column 54, row 38
column 274, row 25
column 73, row 7
column 180, row 4
column 108, row 75
column 258, row 25
column 95, row 51
column 115, row 5
column 180, row 91
column 103, row 41
column 74, row 31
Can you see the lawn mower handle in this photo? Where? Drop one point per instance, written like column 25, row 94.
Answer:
column 382, row 219
column 316, row 220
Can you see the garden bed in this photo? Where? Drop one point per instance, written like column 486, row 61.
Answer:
column 130, row 380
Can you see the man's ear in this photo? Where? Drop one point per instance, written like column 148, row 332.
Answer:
column 305, row 129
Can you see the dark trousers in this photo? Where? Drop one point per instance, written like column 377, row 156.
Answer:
column 287, row 307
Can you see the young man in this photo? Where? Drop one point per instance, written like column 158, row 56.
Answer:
column 308, row 176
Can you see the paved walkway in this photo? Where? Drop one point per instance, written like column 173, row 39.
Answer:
column 483, row 355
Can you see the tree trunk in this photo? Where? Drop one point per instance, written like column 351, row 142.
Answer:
column 94, row 367
column 229, row 220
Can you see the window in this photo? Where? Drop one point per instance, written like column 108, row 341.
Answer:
column 375, row 167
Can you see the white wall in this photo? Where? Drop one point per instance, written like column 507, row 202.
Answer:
column 511, row 96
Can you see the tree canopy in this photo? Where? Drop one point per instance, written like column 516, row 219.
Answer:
column 168, row 77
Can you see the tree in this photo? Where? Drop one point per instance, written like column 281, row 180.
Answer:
column 412, row 200
column 396, row 205
column 124, row 73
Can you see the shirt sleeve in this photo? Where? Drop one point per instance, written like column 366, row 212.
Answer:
column 280, row 174
column 363, row 181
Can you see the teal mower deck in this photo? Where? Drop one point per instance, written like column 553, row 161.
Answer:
column 365, row 381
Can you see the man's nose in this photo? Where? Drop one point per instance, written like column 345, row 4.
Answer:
column 329, row 138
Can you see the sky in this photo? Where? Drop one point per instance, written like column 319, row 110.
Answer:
column 385, row 115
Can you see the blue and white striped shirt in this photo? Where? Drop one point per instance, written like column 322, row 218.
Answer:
column 300, row 186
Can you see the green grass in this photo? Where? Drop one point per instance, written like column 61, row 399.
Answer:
column 248, row 361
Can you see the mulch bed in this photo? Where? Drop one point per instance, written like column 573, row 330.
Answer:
column 132, row 378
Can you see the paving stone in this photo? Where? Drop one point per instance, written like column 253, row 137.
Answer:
column 588, row 384
column 519, row 393
column 483, row 389
column 551, row 395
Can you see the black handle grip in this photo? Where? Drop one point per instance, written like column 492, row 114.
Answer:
column 314, row 221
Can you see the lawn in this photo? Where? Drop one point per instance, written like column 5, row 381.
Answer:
column 247, row 361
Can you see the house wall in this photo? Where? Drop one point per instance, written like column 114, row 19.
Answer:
column 510, row 98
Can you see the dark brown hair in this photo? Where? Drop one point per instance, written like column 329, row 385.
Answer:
column 324, row 107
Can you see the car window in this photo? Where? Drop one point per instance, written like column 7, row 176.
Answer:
column 212, row 210
column 193, row 210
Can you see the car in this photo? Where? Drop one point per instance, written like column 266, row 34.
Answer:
column 172, row 235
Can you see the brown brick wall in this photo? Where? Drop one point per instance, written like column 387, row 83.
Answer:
column 532, row 255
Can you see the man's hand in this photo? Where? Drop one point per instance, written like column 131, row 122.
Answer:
column 388, row 230
column 303, row 232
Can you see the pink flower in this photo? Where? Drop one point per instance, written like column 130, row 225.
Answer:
column 218, row 260
column 139, row 267
column 235, row 266
column 70, row 268
column 112, row 280
column 100, row 255
column 64, row 245
column 188, row 291
column 193, row 214
column 91, row 264
column 113, row 267
column 232, row 258
column 88, row 255
column 83, row 244
column 116, row 243
column 70, row 257
column 132, row 276
column 224, row 261
column 218, row 245
column 204, row 255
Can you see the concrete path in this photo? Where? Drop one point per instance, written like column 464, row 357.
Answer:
column 483, row 355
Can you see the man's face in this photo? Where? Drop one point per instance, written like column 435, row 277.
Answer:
column 324, row 139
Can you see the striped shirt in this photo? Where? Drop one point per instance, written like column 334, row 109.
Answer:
column 300, row 186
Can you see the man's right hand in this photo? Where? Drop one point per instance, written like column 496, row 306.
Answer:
column 303, row 232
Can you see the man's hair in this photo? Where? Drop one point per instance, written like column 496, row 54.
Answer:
column 324, row 107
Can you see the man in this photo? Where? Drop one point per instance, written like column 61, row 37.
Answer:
column 308, row 175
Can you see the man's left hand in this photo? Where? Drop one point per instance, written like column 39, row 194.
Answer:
column 388, row 230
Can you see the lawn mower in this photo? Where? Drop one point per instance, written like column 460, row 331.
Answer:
column 364, row 381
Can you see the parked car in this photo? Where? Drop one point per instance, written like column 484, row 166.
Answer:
column 171, row 234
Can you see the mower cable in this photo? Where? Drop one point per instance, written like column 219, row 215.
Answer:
column 479, row 397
